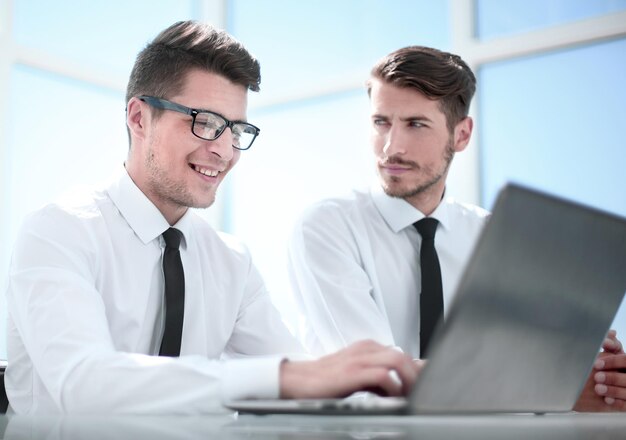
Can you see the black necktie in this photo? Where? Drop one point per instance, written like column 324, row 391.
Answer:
column 431, row 297
column 174, row 294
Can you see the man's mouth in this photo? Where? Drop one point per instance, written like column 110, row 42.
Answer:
column 205, row 171
column 395, row 163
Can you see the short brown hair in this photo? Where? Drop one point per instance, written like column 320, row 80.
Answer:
column 438, row 75
column 161, row 67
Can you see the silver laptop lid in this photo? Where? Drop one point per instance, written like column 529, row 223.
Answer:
column 533, row 306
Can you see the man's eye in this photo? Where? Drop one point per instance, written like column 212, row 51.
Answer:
column 208, row 123
column 416, row 124
column 238, row 130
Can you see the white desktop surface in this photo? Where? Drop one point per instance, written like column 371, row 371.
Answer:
column 569, row 426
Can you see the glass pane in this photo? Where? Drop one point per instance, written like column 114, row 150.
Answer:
column 61, row 134
column 304, row 153
column 496, row 18
column 328, row 41
column 555, row 122
column 101, row 34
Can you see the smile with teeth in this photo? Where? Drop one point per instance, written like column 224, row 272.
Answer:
column 205, row 171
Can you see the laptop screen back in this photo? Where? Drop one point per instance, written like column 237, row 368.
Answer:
column 534, row 304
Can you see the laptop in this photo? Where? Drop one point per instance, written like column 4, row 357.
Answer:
column 532, row 308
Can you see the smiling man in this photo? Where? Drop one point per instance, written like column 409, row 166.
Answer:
column 123, row 300
column 175, row 175
column 384, row 263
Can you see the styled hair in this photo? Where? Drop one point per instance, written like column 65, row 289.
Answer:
column 438, row 75
column 161, row 67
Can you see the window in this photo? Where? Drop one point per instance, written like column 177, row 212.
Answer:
column 496, row 18
column 554, row 121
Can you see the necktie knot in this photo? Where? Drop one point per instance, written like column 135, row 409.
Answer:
column 172, row 238
column 427, row 227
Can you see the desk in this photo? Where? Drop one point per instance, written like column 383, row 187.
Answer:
column 500, row 427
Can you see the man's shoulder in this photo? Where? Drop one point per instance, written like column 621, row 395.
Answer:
column 468, row 209
column 78, row 205
column 231, row 242
column 468, row 213
column 72, row 221
column 354, row 203
column 218, row 241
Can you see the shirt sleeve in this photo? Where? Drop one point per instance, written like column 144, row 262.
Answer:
column 65, row 340
column 330, row 283
column 260, row 329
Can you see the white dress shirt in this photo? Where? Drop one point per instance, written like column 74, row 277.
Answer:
column 354, row 267
column 85, row 300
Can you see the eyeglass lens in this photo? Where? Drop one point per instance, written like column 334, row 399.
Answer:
column 209, row 126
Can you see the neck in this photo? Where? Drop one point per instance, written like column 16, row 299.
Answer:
column 427, row 201
column 171, row 211
column 173, row 214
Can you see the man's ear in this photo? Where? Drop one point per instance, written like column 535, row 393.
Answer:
column 136, row 118
column 463, row 133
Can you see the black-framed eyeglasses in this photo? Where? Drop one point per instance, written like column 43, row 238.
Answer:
column 209, row 125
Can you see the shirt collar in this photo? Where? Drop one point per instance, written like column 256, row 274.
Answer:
column 398, row 213
column 140, row 213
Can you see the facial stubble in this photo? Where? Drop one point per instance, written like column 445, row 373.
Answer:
column 448, row 155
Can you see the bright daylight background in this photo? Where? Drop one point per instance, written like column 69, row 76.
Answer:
column 550, row 107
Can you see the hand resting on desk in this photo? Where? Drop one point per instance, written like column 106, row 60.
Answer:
column 362, row 366
column 605, row 390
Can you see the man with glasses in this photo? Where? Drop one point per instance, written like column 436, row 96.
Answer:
column 124, row 300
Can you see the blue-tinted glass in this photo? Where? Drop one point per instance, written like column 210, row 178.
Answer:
column 300, row 44
column 500, row 18
column 305, row 152
column 555, row 122
column 61, row 133
column 101, row 34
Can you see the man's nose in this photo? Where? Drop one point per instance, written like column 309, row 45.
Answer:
column 223, row 145
column 393, row 143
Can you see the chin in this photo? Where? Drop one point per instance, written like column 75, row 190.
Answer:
column 403, row 191
column 206, row 204
column 203, row 203
column 393, row 187
column 394, row 192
